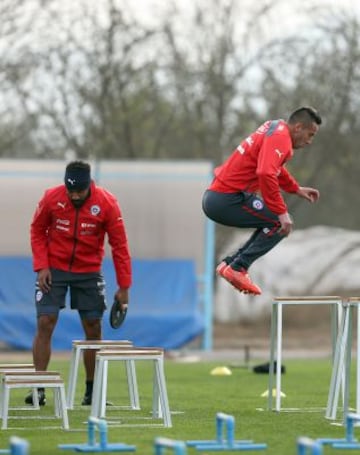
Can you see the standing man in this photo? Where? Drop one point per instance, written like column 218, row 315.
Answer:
column 67, row 241
column 246, row 191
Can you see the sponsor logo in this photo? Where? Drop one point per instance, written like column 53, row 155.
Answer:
column 64, row 222
column 257, row 204
column 241, row 149
column 266, row 230
column 88, row 225
column 38, row 296
column 249, row 140
column 61, row 204
column 94, row 210
column 62, row 228
column 279, row 153
column 71, row 181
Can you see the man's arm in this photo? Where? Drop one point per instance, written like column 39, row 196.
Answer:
column 115, row 229
column 310, row 194
column 271, row 172
column 39, row 235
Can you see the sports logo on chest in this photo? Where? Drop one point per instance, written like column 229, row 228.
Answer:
column 95, row 210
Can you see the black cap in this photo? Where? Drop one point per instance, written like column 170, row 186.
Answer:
column 77, row 176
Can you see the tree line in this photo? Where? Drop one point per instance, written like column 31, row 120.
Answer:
column 94, row 81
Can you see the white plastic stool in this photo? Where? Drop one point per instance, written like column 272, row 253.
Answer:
column 342, row 361
column 24, row 375
column 81, row 345
column 22, row 368
column 48, row 380
column 160, row 407
column 335, row 303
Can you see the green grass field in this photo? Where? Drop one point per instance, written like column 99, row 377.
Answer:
column 195, row 397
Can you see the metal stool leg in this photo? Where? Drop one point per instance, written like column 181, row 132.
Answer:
column 273, row 332
column 338, row 365
column 73, row 374
column 161, row 385
column 132, row 384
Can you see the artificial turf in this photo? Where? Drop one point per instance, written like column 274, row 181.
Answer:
column 195, row 396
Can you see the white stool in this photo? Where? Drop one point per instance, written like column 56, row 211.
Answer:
column 38, row 379
column 160, row 405
column 22, row 368
column 81, row 345
column 23, row 374
column 17, row 366
column 342, row 361
column 335, row 303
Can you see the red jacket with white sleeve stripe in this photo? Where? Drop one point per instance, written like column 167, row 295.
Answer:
column 258, row 165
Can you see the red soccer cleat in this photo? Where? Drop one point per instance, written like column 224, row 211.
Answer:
column 241, row 280
column 220, row 269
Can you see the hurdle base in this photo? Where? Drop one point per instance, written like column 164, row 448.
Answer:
column 97, row 448
column 332, row 441
column 346, row 445
column 214, row 442
column 226, row 447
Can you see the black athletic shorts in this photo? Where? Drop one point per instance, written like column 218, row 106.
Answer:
column 87, row 294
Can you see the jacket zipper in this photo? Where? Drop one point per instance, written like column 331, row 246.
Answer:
column 75, row 238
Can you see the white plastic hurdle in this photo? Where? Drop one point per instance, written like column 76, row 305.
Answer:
column 335, row 303
column 349, row 442
column 18, row 446
column 162, row 444
column 160, row 408
column 103, row 445
column 80, row 345
column 34, row 380
column 225, row 425
column 304, row 443
column 342, row 361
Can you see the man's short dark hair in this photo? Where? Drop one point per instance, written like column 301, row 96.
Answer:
column 78, row 165
column 305, row 115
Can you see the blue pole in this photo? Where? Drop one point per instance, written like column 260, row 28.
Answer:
column 208, row 296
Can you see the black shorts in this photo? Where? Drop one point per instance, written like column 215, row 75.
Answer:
column 87, row 294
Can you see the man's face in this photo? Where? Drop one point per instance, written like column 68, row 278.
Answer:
column 78, row 198
column 303, row 134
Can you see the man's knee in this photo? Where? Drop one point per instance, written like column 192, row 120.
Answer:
column 46, row 324
column 92, row 328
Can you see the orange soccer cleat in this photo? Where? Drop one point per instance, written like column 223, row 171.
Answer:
column 220, row 269
column 241, row 280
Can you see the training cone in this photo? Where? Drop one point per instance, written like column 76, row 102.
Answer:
column 221, row 371
column 266, row 393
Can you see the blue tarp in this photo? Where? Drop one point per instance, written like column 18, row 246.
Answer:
column 162, row 311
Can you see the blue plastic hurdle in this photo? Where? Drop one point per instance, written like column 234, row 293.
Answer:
column 161, row 444
column 304, row 443
column 103, row 445
column 18, row 446
column 349, row 442
column 227, row 422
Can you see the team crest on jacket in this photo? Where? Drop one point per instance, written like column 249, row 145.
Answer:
column 257, row 204
column 94, row 210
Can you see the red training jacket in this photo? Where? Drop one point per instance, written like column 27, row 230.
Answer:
column 258, row 164
column 70, row 239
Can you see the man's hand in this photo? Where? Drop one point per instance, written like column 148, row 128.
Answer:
column 45, row 280
column 310, row 194
column 286, row 223
column 122, row 296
